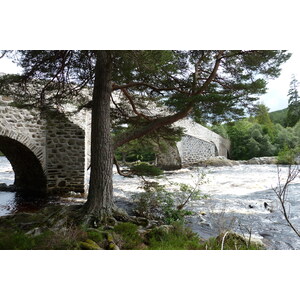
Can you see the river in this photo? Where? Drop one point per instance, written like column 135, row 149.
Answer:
column 236, row 197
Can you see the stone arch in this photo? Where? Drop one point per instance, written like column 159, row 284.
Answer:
column 26, row 141
column 29, row 173
column 216, row 149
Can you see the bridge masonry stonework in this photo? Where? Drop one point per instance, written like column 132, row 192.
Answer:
column 50, row 152
column 198, row 143
column 46, row 151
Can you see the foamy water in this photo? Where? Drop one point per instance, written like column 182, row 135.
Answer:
column 6, row 172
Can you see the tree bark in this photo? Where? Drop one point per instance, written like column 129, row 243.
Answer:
column 99, row 204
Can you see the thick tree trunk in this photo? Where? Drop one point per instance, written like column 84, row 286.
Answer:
column 99, row 204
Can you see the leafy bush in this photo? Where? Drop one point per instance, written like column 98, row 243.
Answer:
column 159, row 203
column 145, row 169
column 287, row 156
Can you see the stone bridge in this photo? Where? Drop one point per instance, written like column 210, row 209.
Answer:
column 51, row 152
column 47, row 152
column 198, row 143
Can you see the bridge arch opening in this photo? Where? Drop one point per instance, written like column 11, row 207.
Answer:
column 29, row 175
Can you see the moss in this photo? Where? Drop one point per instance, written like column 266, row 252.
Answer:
column 127, row 235
column 15, row 240
column 96, row 235
column 17, row 232
column 89, row 245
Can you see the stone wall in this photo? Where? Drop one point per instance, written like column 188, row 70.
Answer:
column 65, row 154
column 47, row 151
column 27, row 127
column 200, row 132
column 192, row 150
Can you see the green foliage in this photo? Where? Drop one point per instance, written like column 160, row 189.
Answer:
column 20, row 240
column 262, row 117
column 96, row 235
column 159, row 204
column 279, row 117
column 248, row 140
column 19, row 232
column 258, row 136
column 15, row 240
column 297, row 131
column 165, row 206
column 177, row 237
column 287, row 156
column 128, row 235
column 145, row 169
column 293, row 114
column 232, row 241
column 285, row 137
column 221, row 130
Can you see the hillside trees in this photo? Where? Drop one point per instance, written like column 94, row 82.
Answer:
column 206, row 85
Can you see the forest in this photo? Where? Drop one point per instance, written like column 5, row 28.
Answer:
column 266, row 134
column 262, row 134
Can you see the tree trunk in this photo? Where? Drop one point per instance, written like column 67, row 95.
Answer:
column 99, row 204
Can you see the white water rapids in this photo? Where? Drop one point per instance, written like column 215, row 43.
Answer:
column 236, row 197
column 236, row 201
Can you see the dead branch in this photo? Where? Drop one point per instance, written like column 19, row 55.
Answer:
column 281, row 192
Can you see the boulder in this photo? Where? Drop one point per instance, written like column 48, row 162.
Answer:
column 217, row 161
column 7, row 188
column 267, row 160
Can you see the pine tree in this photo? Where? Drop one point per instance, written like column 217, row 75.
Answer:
column 293, row 115
column 207, row 85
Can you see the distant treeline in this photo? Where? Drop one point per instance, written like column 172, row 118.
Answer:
column 262, row 134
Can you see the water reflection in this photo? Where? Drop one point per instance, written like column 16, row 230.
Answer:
column 12, row 202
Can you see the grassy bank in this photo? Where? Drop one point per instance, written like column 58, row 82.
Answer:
column 26, row 231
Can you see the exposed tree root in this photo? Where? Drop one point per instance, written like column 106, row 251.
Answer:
column 77, row 215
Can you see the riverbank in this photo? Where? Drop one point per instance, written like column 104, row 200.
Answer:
column 43, row 231
column 235, row 201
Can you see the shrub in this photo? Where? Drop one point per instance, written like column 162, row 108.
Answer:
column 128, row 235
column 145, row 169
column 177, row 237
column 287, row 156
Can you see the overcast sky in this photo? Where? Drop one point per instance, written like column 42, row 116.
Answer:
column 276, row 97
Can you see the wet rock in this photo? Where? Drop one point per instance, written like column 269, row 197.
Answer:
column 267, row 160
column 7, row 188
column 3, row 185
column 35, row 231
column 217, row 161
column 113, row 246
column 165, row 228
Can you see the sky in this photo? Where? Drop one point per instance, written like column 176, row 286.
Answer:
column 275, row 99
